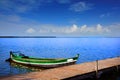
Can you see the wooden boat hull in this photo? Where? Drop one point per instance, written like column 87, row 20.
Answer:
column 48, row 63
column 45, row 66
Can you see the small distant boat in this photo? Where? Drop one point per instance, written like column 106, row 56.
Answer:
column 42, row 62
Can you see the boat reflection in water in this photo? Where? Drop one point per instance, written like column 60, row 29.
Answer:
column 21, row 66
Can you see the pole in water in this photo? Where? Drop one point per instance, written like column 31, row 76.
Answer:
column 96, row 69
column 117, row 65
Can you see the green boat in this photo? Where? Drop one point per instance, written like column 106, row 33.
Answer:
column 42, row 62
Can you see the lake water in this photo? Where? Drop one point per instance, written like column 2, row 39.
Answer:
column 90, row 49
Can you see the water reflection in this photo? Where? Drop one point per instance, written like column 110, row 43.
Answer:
column 21, row 66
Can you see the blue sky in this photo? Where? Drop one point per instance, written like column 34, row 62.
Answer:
column 75, row 18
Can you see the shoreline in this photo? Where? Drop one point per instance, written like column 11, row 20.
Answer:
column 27, row 36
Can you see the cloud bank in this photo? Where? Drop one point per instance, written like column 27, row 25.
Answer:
column 81, row 6
column 16, row 28
column 80, row 31
column 30, row 30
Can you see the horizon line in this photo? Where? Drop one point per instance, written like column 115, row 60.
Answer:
column 52, row 37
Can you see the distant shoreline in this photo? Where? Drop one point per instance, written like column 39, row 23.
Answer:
column 27, row 36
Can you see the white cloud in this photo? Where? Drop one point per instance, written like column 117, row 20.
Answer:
column 83, row 28
column 99, row 28
column 81, row 6
column 30, row 30
column 105, row 15
column 73, row 28
column 67, row 30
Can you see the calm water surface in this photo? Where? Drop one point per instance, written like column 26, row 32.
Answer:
column 90, row 49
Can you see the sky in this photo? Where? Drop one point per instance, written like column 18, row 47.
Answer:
column 66, row 18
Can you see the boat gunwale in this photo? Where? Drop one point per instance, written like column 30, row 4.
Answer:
column 42, row 63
